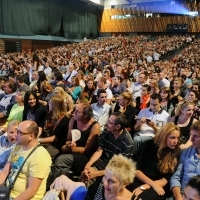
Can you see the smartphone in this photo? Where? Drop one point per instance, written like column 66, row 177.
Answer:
column 148, row 120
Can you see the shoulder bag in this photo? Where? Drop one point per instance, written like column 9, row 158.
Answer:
column 5, row 190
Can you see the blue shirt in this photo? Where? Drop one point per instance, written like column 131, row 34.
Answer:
column 5, row 148
column 188, row 167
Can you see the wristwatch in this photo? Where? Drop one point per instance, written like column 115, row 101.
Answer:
column 142, row 188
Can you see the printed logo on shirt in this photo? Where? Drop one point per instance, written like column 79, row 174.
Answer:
column 16, row 165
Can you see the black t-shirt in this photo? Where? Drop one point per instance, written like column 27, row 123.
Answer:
column 61, row 131
column 147, row 161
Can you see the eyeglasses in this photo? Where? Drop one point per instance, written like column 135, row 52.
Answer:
column 22, row 133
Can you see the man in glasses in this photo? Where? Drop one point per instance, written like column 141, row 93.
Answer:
column 115, row 140
column 189, row 164
column 31, row 182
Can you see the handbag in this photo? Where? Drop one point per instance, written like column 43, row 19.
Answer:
column 6, row 190
column 54, row 193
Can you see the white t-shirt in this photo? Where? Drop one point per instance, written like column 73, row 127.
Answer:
column 160, row 118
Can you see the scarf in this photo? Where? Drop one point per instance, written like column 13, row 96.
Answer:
column 145, row 98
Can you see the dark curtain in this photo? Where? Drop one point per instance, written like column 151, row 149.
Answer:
column 30, row 17
column 44, row 17
column 80, row 20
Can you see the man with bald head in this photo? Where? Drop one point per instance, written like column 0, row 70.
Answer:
column 31, row 182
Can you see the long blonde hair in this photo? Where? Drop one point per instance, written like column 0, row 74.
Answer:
column 167, row 157
column 128, row 97
column 62, row 92
column 58, row 106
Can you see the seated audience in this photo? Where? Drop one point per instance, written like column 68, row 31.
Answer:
column 46, row 93
column 119, row 172
column 74, row 90
column 184, row 121
column 58, row 127
column 89, row 88
column 7, row 99
column 58, row 80
column 154, row 86
column 21, row 86
column 189, row 164
column 192, row 189
column 117, row 87
column 67, row 99
column 143, row 101
column 7, row 142
column 76, row 152
column 80, row 76
column 31, row 182
column 166, row 103
column 126, row 106
column 115, row 140
column 16, row 111
column 177, row 92
column 101, row 84
column 34, row 80
column 71, row 72
column 101, row 110
column 34, row 111
column 41, row 77
column 149, row 121
column 156, row 162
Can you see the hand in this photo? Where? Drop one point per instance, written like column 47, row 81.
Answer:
column 151, row 124
column 122, row 109
column 137, row 191
column 85, row 175
column 159, row 190
column 67, row 148
column 72, row 144
column 143, row 120
column 93, row 173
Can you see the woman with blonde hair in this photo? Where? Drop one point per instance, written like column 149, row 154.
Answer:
column 119, row 173
column 184, row 120
column 46, row 93
column 59, row 121
column 67, row 99
column 16, row 111
column 156, row 162
column 154, row 86
column 127, row 106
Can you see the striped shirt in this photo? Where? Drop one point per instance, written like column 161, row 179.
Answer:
column 111, row 145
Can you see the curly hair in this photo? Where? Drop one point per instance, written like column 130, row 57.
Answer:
column 168, row 158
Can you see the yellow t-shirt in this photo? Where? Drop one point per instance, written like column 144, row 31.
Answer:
column 38, row 165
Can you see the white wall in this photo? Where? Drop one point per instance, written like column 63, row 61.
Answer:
column 108, row 3
column 98, row 2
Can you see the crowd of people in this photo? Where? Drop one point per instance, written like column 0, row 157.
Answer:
column 111, row 111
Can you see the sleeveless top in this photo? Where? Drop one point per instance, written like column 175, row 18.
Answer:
column 84, row 134
column 185, row 131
